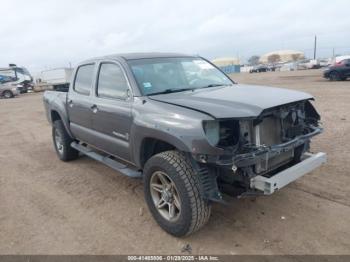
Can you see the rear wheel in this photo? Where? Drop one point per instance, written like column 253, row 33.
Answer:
column 8, row 94
column 62, row 141
column 173, row 195
column 334, row 76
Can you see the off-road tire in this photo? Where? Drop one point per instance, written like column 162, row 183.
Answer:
column 68, row 153
column 7, row 94
column 195, row 210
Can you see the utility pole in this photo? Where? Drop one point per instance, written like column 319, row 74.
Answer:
column 315, row 45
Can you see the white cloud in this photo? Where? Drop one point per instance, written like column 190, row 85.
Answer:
column 41, row 34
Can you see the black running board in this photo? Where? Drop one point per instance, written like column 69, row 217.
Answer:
column 107, row 160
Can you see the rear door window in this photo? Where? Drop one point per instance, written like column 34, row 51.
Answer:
column 83, row 79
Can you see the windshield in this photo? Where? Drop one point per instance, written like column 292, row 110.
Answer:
column 167, row 75
column 22, row 70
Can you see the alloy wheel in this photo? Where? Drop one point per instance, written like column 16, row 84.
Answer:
column 165, row 196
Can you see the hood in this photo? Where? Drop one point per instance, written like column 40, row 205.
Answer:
column 235, row 101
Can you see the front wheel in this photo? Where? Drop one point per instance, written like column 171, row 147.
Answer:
column 173, row 194
column 8, row 94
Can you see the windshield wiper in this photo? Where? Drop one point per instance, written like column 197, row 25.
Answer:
column 214, row 85
column 171, row 90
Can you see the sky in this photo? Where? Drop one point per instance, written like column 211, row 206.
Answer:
column 48, row 34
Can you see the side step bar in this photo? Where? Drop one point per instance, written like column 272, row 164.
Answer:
column 112, row 163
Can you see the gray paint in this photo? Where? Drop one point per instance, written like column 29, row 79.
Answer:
column 237, row 101
column 173, row 118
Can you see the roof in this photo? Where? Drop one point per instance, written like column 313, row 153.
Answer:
column 131, row 56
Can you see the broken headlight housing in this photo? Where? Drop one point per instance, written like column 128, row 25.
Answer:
column 223, row 134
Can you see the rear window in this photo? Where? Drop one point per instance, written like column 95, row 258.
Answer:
column 83, row 79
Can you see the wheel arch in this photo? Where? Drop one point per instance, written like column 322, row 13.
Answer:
column 151, row 146
column 56, row 115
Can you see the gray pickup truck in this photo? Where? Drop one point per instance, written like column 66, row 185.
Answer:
column 187, row 129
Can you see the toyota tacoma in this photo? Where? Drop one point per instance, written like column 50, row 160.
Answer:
column 191, row 133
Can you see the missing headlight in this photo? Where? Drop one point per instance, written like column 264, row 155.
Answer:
column 229, row 133
column 223, row 133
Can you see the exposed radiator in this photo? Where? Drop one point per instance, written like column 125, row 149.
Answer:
column 268, row 133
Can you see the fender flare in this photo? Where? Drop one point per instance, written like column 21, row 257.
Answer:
column 63, row 119
column 140, row 133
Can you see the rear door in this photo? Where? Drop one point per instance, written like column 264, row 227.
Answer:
column 112, row 117
column 79, row 103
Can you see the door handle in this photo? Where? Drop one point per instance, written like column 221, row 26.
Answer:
column 94, row 108
column 70, row 103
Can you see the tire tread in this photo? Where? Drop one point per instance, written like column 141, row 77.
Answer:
column 200, row 207
column 69, row 152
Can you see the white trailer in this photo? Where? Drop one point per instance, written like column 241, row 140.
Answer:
column 54, row 79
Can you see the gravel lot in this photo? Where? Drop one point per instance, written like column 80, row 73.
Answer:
column 83, row 207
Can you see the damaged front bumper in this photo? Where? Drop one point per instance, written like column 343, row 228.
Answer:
column 264, row 153
column 238, row 175
column 268, row 185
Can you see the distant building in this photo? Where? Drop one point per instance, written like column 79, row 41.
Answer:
column 281, row 56
column 228, row 64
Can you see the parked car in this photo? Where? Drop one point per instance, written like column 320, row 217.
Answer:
column 308, row 64
column 259, row 69
column 7, row 89
column 187, row 129
column 338, row 71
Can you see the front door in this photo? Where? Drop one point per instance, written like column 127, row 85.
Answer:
column 111, row 117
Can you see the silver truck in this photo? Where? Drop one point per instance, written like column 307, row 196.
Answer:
column 191, row 133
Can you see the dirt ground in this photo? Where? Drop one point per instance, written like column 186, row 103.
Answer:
column 84, row 207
